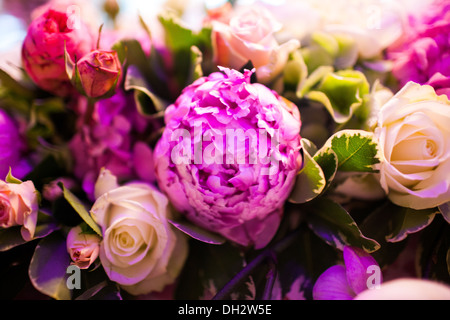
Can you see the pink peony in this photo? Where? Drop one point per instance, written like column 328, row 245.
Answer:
column 112, row 140
column 236, row 187
column 43, row 49
column 423, row 55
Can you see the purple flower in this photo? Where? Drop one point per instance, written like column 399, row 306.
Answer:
column 360, row 272
column 11, row 148
column 112, row 141
column 229, row 156
column 423, row 55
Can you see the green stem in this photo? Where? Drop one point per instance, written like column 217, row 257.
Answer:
column 267, row 255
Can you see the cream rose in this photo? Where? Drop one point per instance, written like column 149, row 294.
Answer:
column 407, row 289
column 248, row 33
column 19, row 207
column 140, row 250
column 413, row 132
column 82, row 247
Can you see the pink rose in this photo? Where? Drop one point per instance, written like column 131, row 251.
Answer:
column 43, row 50
column 248, row 34
column 99, row 72
column 19, row 207
column 82, row 247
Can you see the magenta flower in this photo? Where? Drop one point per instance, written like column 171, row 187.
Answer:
column 229, row 156
column 112, row 140
column 423, row 55
column 11, row 148
column 360, row 272
column 43, row 50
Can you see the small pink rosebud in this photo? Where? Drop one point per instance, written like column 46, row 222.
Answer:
column 82, row 247
column 99, row 72
column 53, row 191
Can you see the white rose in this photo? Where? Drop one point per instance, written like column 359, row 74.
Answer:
column 407, row 289
column 373, row 24
column 140, row 249
column 413, row 132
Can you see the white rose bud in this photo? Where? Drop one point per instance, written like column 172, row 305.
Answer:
column 413, row 132
column 140, row 250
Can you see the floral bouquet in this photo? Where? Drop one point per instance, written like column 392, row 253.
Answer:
column 276, row 151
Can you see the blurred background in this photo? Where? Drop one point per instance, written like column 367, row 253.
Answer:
column 300, row 16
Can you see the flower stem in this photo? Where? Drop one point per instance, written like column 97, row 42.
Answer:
column 89, row 111
column 268, row 255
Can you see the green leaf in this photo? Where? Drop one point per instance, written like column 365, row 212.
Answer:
column 356, row 150
column 295, row 72
column 178, row 37
column 313, row 79
column 376, row 225
column 7, row 81
column 433, row 252
column 341, row 93
column 50, row 168
column 12, row 237
column 48, row 267
column 328, row 161
column 310, row 181
column 445, row 211
column 147, row 102
column 180, row 40
column 80, row 209
column 11, row 179
column 331, row 222
column 130, row 51
column 196, row 64
column 105, row 290
column 207, row 269
column 197, row 232
column 406, row 221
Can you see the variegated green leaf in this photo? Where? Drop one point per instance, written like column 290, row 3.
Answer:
column 356, row 150
column 406, row 221
column 310, row 181
column 331, row 222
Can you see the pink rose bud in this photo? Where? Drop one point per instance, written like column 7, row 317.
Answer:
column 99, row 72
column 19, row 207
column 43, row 49
column 82, row 247
column 53, row 191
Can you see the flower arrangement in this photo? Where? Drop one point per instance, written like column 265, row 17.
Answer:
column 276, row 152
